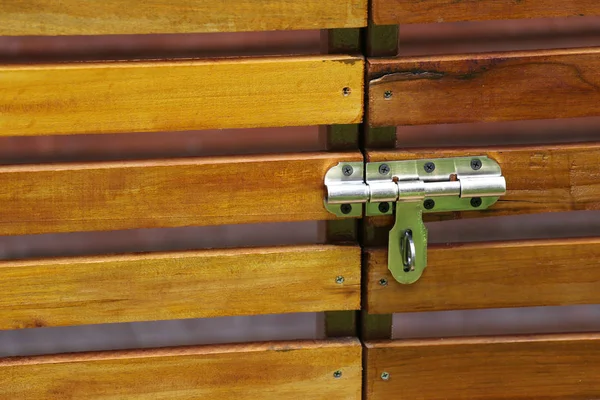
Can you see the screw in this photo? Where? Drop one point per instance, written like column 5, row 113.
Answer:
column 347, row 170
column 384, row 169
column 428, row 204
column 383, row 282
column 337, row 374
column 385, row 376
column 476, row 202
column 476, row 164
column 387, row 94
column 384, row 207
column 429, row 167
column 346, row 208
column 346, row 91
column 339, row 280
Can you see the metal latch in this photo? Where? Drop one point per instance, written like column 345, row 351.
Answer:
column 411, row 188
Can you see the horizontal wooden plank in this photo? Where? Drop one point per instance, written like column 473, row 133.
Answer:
column 543, row 84
column 180, row 95
column 276, row 370
column 45, row 198
column 537, row 367
column 538, row 178
column 96, row 17
column 394, row 12
column 163, row 286
column 491, row 275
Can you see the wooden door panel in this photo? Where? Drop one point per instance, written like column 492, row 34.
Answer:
column 276, row 370
column 177, row 285
column 535, row 367
column 538, row 178
column 46, row 198
column 157, row 96
column 110, row 17
column 394, row 12
column 544, row 84
column 490, row 275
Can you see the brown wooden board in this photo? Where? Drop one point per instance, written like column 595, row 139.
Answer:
column 100, row 196
column 276, row 370
column 106, row 17
column 393, row 12
column 538, row 178
column 491, row 275
column 543, row 84
column 157, row 96
column 536, row 367
column 177, row 285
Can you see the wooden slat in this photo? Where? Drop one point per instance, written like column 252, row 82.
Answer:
column 97, row 17
column 543, row 367
column 276, row 370
column 485, row 87
column 538, row 178
column 179, row 95
column 491, row 275
column 163, row 286
column 393, row 12
column 165, row 193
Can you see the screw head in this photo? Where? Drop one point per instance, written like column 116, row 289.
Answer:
column 346, row 208
column 476, row 202
column 337, row 374
column 339, row 280
column 347, row 170
column 384, row 169
column 429, row 167
column 383, row 282
column 385, row 376
column 387, row 94
column 476, row 164
column 346, row 91
column 384, row 207
column 428, row 204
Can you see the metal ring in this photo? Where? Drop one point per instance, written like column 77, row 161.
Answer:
column 407, row 249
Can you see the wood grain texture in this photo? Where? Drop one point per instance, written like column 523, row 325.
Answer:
column 394, row 12
column 538, row 367
column 538, row 178
column 491, row 275
column 277, row 370
column 179, row 95
column 97, row 17
column 165, row 193
column 543, row 84
column 164, row 286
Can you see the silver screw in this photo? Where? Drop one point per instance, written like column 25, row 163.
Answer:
column 387, row 94
column 476, row 164
column 429, row 167
column 339, row 280
column 383, row 282
column 385, row 376
column 337, row 374
column 347, row 170
column 384, row 169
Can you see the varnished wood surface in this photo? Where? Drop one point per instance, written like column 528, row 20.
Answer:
column 276, row 370
column 491, row 275
column 538, row 178
column 393, row 12
column 116, row 97
column 45, row 198
column 97, row 17
column 536, row 367
column 543, row 84
column 163, row 286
